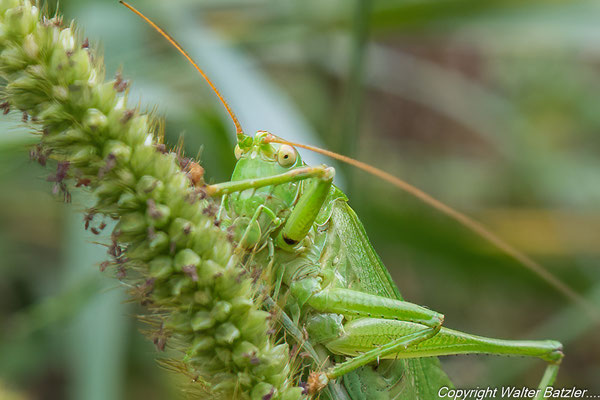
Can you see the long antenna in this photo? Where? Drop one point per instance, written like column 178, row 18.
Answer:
column 238, row 127
column 465, row 220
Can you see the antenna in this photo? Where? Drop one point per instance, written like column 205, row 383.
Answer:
column 238, row 127
column 463, row 219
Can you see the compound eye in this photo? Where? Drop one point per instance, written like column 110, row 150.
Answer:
column 238, row 151
column 286, row 156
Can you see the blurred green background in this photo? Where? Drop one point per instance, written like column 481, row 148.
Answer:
column 491, row 106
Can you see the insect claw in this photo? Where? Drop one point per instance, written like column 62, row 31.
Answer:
column 316, row 382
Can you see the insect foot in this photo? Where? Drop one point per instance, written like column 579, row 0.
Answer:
column 316, row 382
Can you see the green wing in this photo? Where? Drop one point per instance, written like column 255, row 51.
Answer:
column 399, row 380
column 409, row 379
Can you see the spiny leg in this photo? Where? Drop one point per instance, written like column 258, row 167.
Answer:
column 547, row 380
column 305, row 213
column 221, row 208
column 393, row 347
column 366, row 334
column 354, row 303
column 253, row 223
column 318, row 380
column 294, row 175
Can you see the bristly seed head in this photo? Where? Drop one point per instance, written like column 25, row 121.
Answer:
column 127, row 115
column 40, row 154
column 153, row 211
column 121, row 272
column 269, row 395
column 88, row 217
column 151, row 232
column 104, row 265
column 161, row 148
column 111, row 162
column 83, row 182
column 61, row 172
column 210, row 210
column 120, row 84
column 190, row 270
column 84, row 123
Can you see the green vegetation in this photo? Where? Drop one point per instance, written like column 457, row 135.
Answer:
column 166, row 245
column 490, row 107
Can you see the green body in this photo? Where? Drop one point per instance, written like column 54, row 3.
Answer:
column 343, row 253
column 319, row 266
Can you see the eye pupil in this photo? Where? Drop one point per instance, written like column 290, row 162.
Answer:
column 286, row 156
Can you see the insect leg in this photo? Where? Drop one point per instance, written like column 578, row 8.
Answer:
column 547, row 380
column 294, row 175
column 393, row 347
column 365, row 334
column 221, row 209
column 280, row 271
column 304, row 214
column 253, row 226
column 353, row 303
